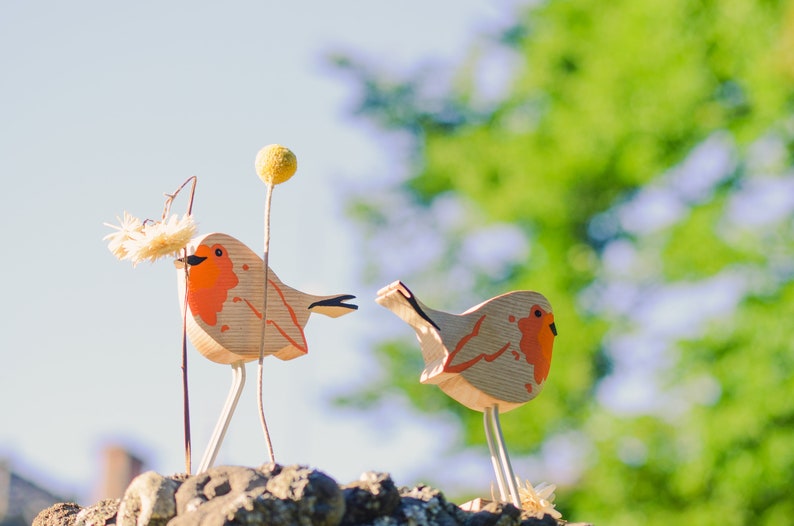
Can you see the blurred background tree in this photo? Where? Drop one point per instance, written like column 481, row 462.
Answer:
column 637, row 169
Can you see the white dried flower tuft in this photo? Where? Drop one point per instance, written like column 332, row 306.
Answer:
column 538, row 500
column 117, row 240
column 150, row 240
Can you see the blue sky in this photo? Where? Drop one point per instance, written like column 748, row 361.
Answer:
column 104, row 106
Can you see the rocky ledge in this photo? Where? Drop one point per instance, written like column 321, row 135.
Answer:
column 280, row 495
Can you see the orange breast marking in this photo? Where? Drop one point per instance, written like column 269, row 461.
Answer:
column 208, row 287
column 533, row 345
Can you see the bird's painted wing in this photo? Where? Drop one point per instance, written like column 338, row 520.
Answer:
column 480, row 343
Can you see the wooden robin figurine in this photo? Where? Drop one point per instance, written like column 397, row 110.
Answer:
column 493, row 357
column 225, row 290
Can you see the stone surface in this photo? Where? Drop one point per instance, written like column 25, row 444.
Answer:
column 149, row 500
column 426, row 505
column 63, row 513
column 279, row 496
column 316, row 497
column 100, row 514
column 373, row 495
column 222, row 495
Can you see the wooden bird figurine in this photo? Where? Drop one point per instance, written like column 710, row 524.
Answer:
column 225, row 297
column 495, row 353
column 494, row 357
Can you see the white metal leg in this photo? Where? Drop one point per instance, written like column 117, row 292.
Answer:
column 497, row 466
column 238, row 382
column 505, row 478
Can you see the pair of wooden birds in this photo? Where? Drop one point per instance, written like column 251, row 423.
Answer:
column 496, row 353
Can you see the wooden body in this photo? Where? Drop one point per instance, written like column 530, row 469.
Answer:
column 496, row 353
column 226, row 297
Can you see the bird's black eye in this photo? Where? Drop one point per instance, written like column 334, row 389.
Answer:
column 218, row 252
column 538, row 313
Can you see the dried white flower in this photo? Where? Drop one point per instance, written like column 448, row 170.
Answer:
column 538, row 500
column 160, row 239
column 117, row 240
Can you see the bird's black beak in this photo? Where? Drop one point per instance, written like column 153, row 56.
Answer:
column 553, row 328
column 194, row 260
column 191, row 261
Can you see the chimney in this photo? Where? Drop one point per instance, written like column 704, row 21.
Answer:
column 5, row 488
column 120, row 467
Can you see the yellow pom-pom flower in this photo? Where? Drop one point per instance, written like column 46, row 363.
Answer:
column 275, row 164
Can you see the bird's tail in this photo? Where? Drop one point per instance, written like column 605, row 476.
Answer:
column 399, row 299
column 333, row 306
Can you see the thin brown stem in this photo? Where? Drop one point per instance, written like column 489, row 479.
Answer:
column 259, row 389
column 169, row 198
column 185, row 394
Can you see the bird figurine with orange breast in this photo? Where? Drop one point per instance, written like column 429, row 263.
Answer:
column 493, row 357
column 225, row 294
column 497, row 352
column 225, row 286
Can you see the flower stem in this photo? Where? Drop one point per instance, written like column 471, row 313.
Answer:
column 185, row 397
column 169, row 198
column 265, row 258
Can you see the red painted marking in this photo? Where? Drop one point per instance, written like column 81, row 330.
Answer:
column 491, row 357
column 516, row 355
column 224, row 328
column 286, row 336
column 250, row 306
column 460, row 367
column 245, row 266
column 303, row 347
column 528, row 387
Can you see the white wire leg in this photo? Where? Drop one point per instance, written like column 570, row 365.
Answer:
column 238, row 382
column 505, row 478
column 500, row 479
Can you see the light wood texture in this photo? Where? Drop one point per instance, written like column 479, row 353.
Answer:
column 496, row 353
column 225, row 296
column 475, row 505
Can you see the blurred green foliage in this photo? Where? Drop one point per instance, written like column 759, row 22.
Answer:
column 609, row 101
